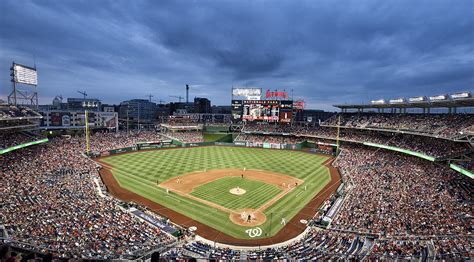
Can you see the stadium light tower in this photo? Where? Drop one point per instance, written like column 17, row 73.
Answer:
column 28, row 78
column 86, row 118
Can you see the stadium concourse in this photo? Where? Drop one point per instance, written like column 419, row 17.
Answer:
column 393, row 205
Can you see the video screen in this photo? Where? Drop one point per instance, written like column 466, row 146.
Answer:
column 261, row 112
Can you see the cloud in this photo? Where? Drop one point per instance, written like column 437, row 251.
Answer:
column 326, row 52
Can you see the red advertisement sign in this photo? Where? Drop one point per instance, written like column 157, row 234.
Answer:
column 276, row 94
column 299, row 104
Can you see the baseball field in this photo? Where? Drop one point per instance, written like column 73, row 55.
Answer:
column 245, row 193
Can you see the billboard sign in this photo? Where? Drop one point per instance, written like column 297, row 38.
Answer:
column 276, row 94
column 285, row 117
column 299, row 104
column 59, row 119
column 247, row 93
column 108, row 119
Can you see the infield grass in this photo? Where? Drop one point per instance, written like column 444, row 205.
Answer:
column 257, row 193
column 139, row 172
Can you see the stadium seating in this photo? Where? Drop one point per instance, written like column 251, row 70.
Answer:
column 441, row 125
column 10, row 112
column 51, row 203
column 397, row 207
column 186, row 136
column 425, row 144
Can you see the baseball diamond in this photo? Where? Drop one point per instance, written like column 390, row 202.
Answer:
column 257, row 193
column 195, row 182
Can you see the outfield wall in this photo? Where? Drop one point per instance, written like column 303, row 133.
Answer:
column 176, row 143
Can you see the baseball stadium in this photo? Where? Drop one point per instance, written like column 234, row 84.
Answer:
column 253, row 184
column 334, row 134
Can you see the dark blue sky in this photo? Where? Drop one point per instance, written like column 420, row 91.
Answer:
column 326, row 51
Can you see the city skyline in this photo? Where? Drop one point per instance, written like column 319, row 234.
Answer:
column 326, row 53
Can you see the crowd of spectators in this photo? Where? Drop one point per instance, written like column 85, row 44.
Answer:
column 113, row 140
column 423, row 144
column 49, row 201
column 260, row 139
column 466, row 163
column 183, row 124
column 182, row 121
column 186, row 136
column 396, row 207
column 14, row 138
column 16, row 118
column 324, row 245
column 427, row 145
column 268, row 128
column 10, row 112
column 395, row 195
column 407, row 248
column 442, row 125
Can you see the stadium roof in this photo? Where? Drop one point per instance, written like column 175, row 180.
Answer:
column 468, row 102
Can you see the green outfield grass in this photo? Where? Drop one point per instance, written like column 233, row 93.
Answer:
column 140, row 171
column 257, row 193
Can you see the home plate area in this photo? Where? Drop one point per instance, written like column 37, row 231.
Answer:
column 244, row 194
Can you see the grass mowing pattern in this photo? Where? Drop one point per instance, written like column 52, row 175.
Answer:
column 257, row 193
column 139, row 173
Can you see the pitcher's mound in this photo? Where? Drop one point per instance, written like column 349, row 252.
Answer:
column 237, row 191
column 247, row 217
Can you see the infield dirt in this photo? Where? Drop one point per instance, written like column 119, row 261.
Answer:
column 185, row 184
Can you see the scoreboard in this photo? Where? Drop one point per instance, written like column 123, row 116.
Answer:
column 262, row 110
column 237, row 108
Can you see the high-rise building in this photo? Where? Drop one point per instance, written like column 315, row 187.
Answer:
column 202, row 105
column 138, row 112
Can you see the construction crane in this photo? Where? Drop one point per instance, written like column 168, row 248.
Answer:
column 149, row 97
column 160, row 102
column 179, row 97
column 83, row 93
